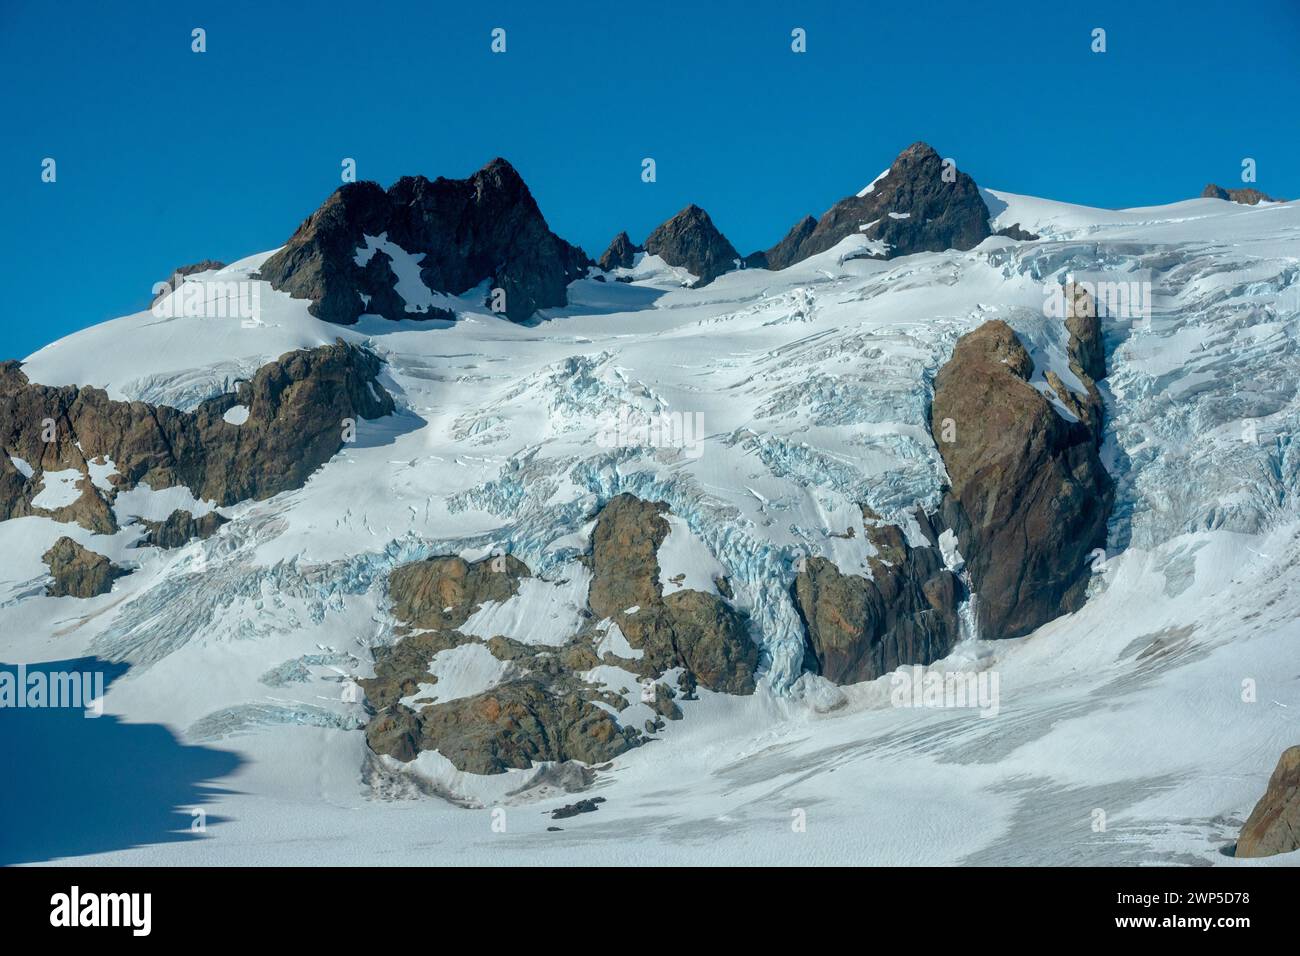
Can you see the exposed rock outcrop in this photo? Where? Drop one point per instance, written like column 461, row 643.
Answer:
column 1029, row 497
column 543, row 707
column 858, row 628
column 460, row 231
column 1087, row 351
column 79, row 572
column 919, row 205
column 518, row 724
column 1014, row 231
column 1274, row 825
column 178, row 528
column 692, row 242
column 701, row 632
column 442, row 592
column 785, row 252
column 621, row 254
column 298, row 410
column 540, row 711
column 1247, row 196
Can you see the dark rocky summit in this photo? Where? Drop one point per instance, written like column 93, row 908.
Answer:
column 858, row 628
column 692, row 242
column 175, row 278
column 938, row 214
column 464, row 231
column 297, row 409
column 79, row 572
column 621, row 254
column 1274, row 825
column 1247, row 196
column 1029, row 497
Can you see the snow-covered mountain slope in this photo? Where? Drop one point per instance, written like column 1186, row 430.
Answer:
column 1120, row 733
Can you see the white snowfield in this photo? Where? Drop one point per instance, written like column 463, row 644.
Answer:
column 1141, row 729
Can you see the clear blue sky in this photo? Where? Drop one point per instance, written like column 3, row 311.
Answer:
column 166, row 156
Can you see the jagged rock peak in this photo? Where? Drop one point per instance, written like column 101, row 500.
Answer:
column 920, row 204
column 456, row 232
column 691, row 241
column 621, row 253
column 1247, row 196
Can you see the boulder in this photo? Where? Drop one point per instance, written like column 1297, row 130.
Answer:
column 1274, row 825
column 79, row 572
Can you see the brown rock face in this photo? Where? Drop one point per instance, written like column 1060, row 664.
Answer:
column 1029, row 497
column 443, row 592
column 78, row 572
column 621, row 254
column 544, row 709
column 297, row 408
column 1087, row 351
column 1274, row 825
column 467, row 230
column 179, row 527
column 545, row 715
column 858, row 628
column 692, row 242
column 940, row 212
column 518, row 724
column 786, row 252
column 1246, row 196
column 700, row 632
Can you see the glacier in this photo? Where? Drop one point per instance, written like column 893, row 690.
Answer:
column 814, row 386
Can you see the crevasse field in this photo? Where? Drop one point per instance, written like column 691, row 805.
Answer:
column 1141, row 729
